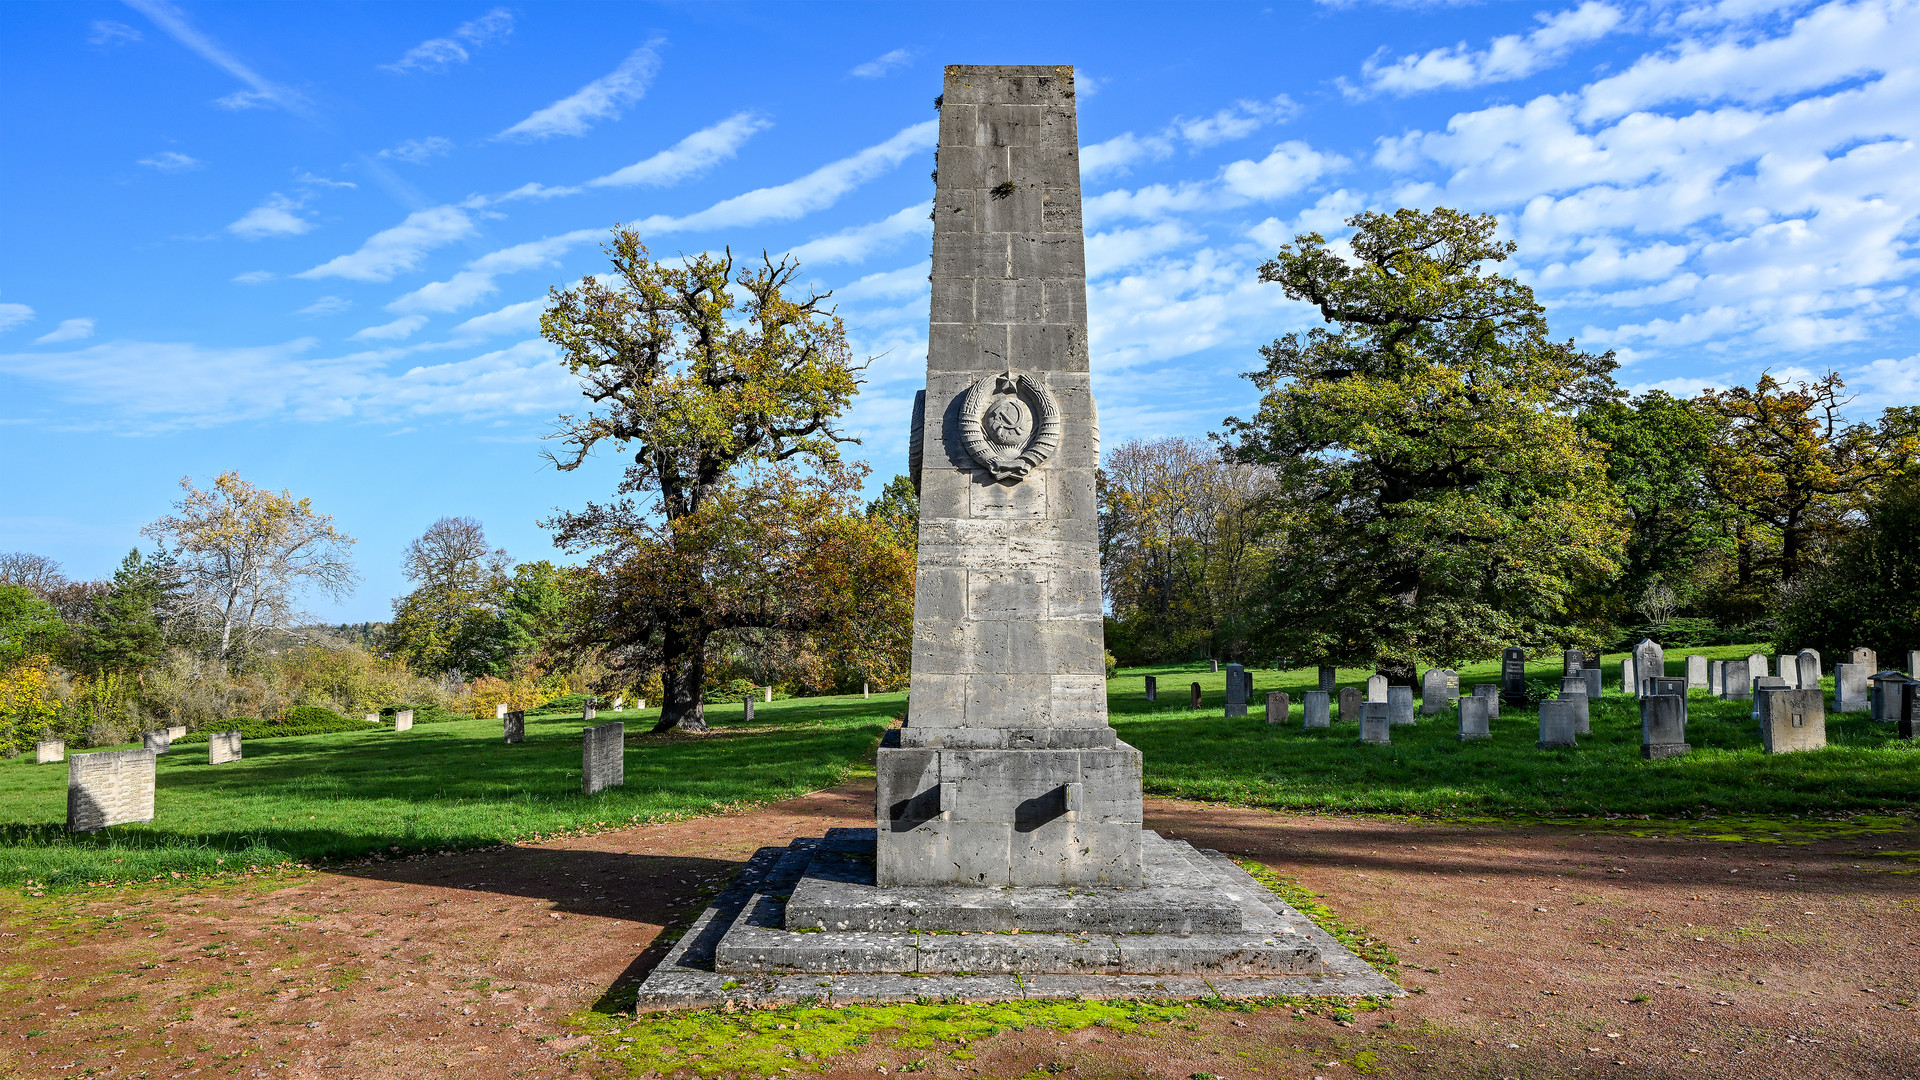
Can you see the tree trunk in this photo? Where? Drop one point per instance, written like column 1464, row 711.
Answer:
column 684, row 670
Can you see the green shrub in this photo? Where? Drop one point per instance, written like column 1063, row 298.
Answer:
column 567, row 703
column 313, row 714
column 312, row 721
column 423, row 714
column 731, row 690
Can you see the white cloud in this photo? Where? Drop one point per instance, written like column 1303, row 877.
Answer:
column 855, row 244
column 436, row 54
column 1289, row 168
column 889, row 284
column 1509, row 57
column 602, row 99
column 172, row 161
column 882, row 65
column 1119, row 152
column 12, row 315
column 254, row 277
column 419, row 151
column 521, row 318
column 475, row 281
column 68, row 330
column 393, row 251
column 1236, row 121
column 402, row 327
column 691, row 156
column 108, row 32
column 326, row 305
column 815, row 191
column 1118, row 249
column 274, row 217
column 260, row 93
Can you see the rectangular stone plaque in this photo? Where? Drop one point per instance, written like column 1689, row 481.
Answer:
column 1376, row 688
column 1375, row 725
column 1572, row 661
column 1558, row 723
column 603, row 757
column 1574, row 692
column 500, row 711
column 1696, row 673
column 513, row 727
column 1351, row 701
column 1663, row 726
column 1329, row 675
column 223, row 746
column 1513, row 676
column 1153, row 688
column 1792, row 720
column 1236, row 690
column 1735, row 683
column 1474, row 720
column 1592, row 675
column 48, row 751
column 1316, row 711
column 1400, row 705
column 1850, row 687
column 1194, row 696
column 110, row 788
column 156, row 741
column 1277, row 707
column 1490, row 691
column 401, row 721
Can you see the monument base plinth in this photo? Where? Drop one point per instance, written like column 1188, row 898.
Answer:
column 804, row 923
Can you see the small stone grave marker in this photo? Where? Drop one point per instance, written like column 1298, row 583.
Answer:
column 1574, row 691
column 223, row 746
column 591, row 709
column 1735, row 684
column 110, row 788
column 1629, row 685
column 1315, row 711
column 513, row 726
column 1153, row 688
column 1909, row 706
column 1884, row 697
column 1716, row 677
column 1278, row 706
column 373, row 718
column 1792, row 720
column 1375, row 727
column 1696, row 673
column 1376, row 688
column 1328, row 674
column 1807, row 670
column 1557, row 724
column 1216, row 666
column 1351, row 701
column 1663, row 726
column 1193, row 696
column 1439, row 687
column 1913, row 663
column 1594, row 685
column 1850, row 688
column 177, row 731
column 500, row 711
column 1787, row 667
column 156, row 741
column 1865, row 658
column 1649, row 661
column 1400, row 704
column 1236, row 690
column 1572, row 661
column 603, row 757
column 619, row 702
column 1490, row 691
column 746, row 711
column 48, row 751
column 1513, row 676
column 1818, row 669
column 1474, row 721
column 401, row 721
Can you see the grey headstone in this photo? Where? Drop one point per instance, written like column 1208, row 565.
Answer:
column 1735, row 684
column 1400, row 704
column 1572, row 661
column 1716, row 677
column 1909, row 710
column 223, row 746
column 1376, row 688
column 1817, row 663
column 1193, row 696
column 1439, row 687
column 603, row 757
column 768, row 699
column 1787, row 666
column 111, row 788
column 401, row 721
column 500, row 711
column 619, row 703
column 1574, row 691
column 48, row 751
column 1474, row 721
column 156, row 741
column 1696, row 673
column 1153, row 688
column 746, row 709
column 1850, row 688
column 1351, row 701
column 373, row 718
column 1559, row 722
column 590, row 710
column 1592, row 675
column 1663, row 726
column 1865, row 658
column 1668, row 684
column 1215, row 668
column 177, row 731
column 1491, row 692
column 1885, row 694
column 1913, row 663
column 1277, row 707
column 1329, row 674
column 1649, row 660
column 1756, row 666
column 1792, row 720
column 1375, row 726
column 1628, row 684
column 1513, row 676
column 514, row 726
column 1808, row 667
column 1315, row 710
column 1236, row 690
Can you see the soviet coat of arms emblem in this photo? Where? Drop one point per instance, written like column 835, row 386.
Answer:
column 1010, row 424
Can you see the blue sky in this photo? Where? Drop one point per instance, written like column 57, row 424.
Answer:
column 309, row 242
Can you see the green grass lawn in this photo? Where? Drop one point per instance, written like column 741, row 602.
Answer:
column 1427, row 770
column 438, row 786
column 456, row 785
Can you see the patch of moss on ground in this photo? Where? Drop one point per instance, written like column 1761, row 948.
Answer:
column 1364, row 945
column 766, row 1042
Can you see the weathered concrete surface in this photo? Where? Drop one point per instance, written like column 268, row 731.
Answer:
column 223, row 746
column 1792, row 720
column 1663, row 726
column 1474, row 719
column 48, row 751
column 109, row 788
column 603, row 757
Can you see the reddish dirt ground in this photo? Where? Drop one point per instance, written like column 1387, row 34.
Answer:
column 1535, row 952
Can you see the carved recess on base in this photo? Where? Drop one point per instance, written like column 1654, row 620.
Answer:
column 1010, row 424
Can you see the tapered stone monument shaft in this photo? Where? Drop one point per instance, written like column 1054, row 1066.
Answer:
column 1007, row 771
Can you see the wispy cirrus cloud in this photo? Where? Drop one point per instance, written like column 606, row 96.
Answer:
column 1236, row 121
column 1508, row 57
column 684, row 160
column 855, row 244
column 261, row 92
column 393, row 251
column 475, row 281
column 68, row 330
column 172, row 161
column 12, row 315
column 602, row 99
column 438, row 54
column 402, row 327
column 419, row 151
column 884, row 64
column 278, row 215
column 109, row 32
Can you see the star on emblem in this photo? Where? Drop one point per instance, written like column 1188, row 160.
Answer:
column 1006, row 382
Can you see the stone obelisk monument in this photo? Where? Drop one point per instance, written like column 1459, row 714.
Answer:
column 1006, row 772
column 1008, row 858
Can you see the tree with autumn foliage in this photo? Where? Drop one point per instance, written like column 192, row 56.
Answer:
column 1437, row 500
column 726, row 386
